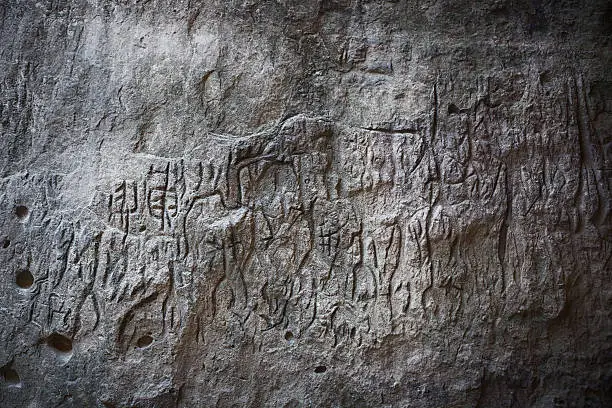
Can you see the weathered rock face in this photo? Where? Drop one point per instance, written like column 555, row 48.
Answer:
column 305, row 203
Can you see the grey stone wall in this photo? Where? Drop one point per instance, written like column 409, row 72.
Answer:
column 288, row 203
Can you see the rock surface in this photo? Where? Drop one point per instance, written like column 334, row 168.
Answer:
column 305, row 203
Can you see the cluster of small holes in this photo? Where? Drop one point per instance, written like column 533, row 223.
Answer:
column 24, row 278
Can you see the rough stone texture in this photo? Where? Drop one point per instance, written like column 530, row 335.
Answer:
column 305, row 203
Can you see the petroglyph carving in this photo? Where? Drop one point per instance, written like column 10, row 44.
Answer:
column 321, row 203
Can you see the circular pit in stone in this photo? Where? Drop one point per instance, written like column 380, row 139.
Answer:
column 144, row 342
column 11, row 378
column 24, row 279
column 21, row 211
column 60, row 343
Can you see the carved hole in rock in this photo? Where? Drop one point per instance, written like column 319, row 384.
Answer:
column 453, row 109
column 24, row 279
column 6, row 243
column 144, row 342
column 11, row 378
column 320, row 369
column 289, row 336
column 21, row 211
column 61, row 344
